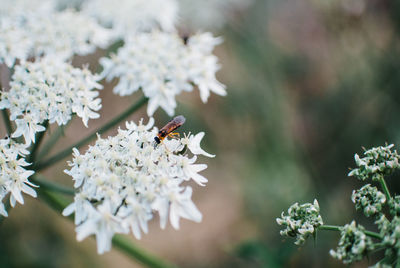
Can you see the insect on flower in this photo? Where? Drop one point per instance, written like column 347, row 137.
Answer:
column 168, row 129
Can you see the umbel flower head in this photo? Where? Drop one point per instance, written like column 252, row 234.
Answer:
column 354, row 244
column 301, row 221
column 34, row 33
column 122, row 180
column 49, row 90
column 162, row 66
column 131, row 16
column 369, row 200
column 377, row 162
column 13, row 175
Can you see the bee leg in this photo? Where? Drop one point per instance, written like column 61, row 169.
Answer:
column 174, row 135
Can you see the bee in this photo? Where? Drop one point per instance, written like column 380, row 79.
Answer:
column 168, row 129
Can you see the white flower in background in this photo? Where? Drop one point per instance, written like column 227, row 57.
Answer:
column 49, row 90
column 130, row 16
column 34, row 33
column 66, row 33
column 20, row 7
column 122, row 180
column 209, row 14
column 13, row 175
column 162, row 66
column 14, row 41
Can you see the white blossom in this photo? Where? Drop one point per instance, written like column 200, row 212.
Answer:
column 130, row 16
column 13, row 175
column 122, row 180
column 20, row 7
column 36, row 32
column 49, row 90
column 209, row 14
column 162, row 66
column 193, row 144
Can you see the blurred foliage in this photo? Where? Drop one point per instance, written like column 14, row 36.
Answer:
column 318, row 80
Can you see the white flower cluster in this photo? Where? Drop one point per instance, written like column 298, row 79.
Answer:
column 122, row 180
column 20, row 7
column 301, row 221
column 354, row 244
column 13, row 175
column 131, row 16
column 162, row 66
column 49, row 90
column 377, row 162
column 209, row 14
column 34, row 33
column 369, row 200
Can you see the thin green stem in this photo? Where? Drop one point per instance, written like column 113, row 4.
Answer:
column 123, row 244
column 51, row 141
column 330, row 227
column 38, row 141
column 385, row 188
column 339, row 228
column 61, row 155
column 7, row 122
column 373, row 235
column 51, row 186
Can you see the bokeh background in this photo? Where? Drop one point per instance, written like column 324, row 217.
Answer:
column 309, row 84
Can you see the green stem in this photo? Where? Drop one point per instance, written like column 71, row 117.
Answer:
column 339, row 228
column 38, row 140
column 330, row 228
column 385, row 188
column 61, row 155
column 50, row 143
column 7, row 122
column 123, row 244
column 51, row 186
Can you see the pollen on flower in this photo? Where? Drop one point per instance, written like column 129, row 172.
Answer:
column 131, row 180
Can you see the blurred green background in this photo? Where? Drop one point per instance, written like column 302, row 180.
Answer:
column 309, row 83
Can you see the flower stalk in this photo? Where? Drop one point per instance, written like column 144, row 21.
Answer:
column 385, row 188
column 51, row 142
column 7, row 122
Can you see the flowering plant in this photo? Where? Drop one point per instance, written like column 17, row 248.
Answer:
column 120, row 181
column 355, row 241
